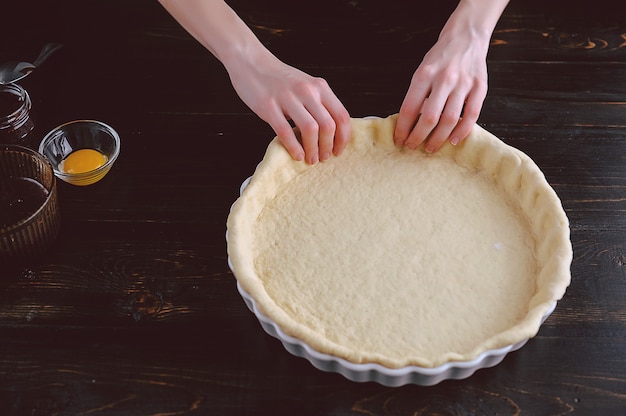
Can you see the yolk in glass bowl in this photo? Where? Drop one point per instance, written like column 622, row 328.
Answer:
column 83, row 160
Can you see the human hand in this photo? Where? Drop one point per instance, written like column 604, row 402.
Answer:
column 445, row 95
column 279, row 93
column 276, row 92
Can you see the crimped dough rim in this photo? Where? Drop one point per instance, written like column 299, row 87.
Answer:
column 519, row 178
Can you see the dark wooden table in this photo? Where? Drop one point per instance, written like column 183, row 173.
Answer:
column 135, row 312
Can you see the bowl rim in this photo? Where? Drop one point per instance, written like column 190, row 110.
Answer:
column 107, row 165
column 22, row 110
column 51, row 192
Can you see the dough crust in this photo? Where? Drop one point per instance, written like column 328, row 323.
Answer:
column 399, row 257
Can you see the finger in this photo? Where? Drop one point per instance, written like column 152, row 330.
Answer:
column 447, row 122
column 316, row 124
column 325, row 131
column 341, row 119
column 342, row 133
column 309, row 130
column 410, row 110
column 427, row 121
column 286, row 135
column 471, row 112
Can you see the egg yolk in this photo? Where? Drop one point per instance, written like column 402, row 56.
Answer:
column 83, row 160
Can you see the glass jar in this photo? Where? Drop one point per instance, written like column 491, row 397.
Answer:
column 16, row 123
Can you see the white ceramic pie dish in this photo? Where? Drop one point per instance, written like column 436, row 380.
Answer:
column 374, row 372
column 450, row 315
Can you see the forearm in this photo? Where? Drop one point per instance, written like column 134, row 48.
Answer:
column 218, row 28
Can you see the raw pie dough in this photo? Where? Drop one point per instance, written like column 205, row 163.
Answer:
column 399, row 257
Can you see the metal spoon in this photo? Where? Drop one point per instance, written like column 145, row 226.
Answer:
column 11, row 72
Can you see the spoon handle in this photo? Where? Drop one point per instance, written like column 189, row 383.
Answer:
column 47, row 50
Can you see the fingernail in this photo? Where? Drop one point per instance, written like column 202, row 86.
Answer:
column 313, row 160
column 454, row 141
column 325, row 156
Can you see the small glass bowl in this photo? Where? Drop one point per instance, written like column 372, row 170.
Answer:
column 60, row 142
column 29, row 211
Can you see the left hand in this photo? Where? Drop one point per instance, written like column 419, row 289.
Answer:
column 446, row 94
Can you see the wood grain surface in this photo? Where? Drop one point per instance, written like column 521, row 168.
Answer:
column 135, row 312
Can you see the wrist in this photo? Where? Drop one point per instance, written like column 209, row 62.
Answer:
column 474, row 20
column 241, row 57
